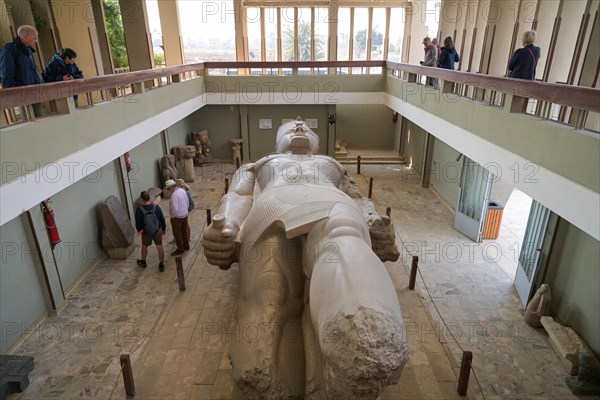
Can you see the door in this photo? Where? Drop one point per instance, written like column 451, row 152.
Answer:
column 473, row 196
column 529, row 257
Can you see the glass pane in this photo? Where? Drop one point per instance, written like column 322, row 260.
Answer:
column 287, row 33
column 361, row 23
column 378, row 34
column 304, row 34
column 321, row 33
column 271, row 33
column 343, row 48
column 253, row 20
column 397, row 20
column 208, row 30
column 432, row 17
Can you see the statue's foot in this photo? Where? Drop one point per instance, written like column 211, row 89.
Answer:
column 363, row 353
column 263, row 383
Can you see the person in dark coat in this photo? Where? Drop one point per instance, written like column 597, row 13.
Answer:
column 523, row 62
column 17, row 65
column 62, row 67
column 449, row 55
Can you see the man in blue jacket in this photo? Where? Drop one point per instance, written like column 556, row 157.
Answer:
column 17, row 65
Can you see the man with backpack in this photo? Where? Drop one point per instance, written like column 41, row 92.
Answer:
column 150, row 222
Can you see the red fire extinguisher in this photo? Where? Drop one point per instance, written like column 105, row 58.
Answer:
column 50, row 223
column 127, row 161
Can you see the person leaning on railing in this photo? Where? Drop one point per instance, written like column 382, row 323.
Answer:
column 17, row 66
column 62, row 67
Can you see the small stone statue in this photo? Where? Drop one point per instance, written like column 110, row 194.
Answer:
column 236, row 147
column 538, row 307
column 168, row 171
column 185, row 164
column 587, row 383
column 202, row 144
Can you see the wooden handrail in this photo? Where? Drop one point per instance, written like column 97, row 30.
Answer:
column 20, row 96
column 293, row 64
column 579, row 97
column 573, row 96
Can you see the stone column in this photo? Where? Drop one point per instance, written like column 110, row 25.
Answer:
column 101, row 33
column 450, row 13
column 241, row 31
column 75, row 26
column 414, row 31
column 171, row 32
column 332, row 26
column 137, row 34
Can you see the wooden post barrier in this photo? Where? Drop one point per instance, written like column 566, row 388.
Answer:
column 413, row 272
column 358, row 165
column 127, row 375
column 370, row 187
column 465, row 371
column 388, row 212
column 180, row 275
column 226, row 185
column 208, row 217
column 237, row 163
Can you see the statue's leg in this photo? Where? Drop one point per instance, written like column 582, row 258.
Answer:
column 268, row 360
column 354, row 308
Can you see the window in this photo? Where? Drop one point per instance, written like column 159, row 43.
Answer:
column 155, row 32
column 270, row 15
column 208, row 30
column 378, row 34
column 321, row 33
column 254, row 38
column 343, row 34
column 361, row 23
column 397, row 20
column 287, row 34
column 304, row 34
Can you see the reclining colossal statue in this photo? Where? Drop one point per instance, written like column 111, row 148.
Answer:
column 329, row 319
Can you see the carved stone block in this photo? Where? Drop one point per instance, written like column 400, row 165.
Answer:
column 185, row 164
column 14, row 371
column 566, row 343
column 117, row 229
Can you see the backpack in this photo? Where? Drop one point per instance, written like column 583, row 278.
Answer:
column 191, row 206
column 151, row 225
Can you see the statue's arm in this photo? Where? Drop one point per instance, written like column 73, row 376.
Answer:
column 219, row 237
column 237, row 202
column 381, row 229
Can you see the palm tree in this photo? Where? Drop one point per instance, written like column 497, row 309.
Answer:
column 303, row 43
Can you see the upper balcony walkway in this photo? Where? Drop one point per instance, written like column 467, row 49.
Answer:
column 542, row 134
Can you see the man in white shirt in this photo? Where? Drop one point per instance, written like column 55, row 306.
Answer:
column 178, row 208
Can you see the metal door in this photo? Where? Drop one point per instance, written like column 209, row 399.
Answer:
column 473, row 197
column 529, row 257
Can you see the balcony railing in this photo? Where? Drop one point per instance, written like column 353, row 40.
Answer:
column 571, row 105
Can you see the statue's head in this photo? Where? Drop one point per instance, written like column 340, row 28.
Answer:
column 296, row 137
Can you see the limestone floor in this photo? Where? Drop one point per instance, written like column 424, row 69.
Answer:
column 179, row 341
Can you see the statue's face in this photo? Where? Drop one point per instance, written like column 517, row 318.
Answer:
column 284, row 143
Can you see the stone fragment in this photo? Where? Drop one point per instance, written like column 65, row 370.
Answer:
column 587, row 382
column 566, row 343
column 538, row 307
column 117, row 230
column 185, row 164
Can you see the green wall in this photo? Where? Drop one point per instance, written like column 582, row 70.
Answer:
column 145, row 160
column 262, row 141
column 22, row 289
column 573, row 275
column 78, row 215
column 179, row 133
column 446, row 172
column 414, row 143
column 365, row 125
column 222, row 124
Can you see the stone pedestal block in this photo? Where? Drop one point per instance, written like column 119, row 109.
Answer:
column 566, row 343
column 117, row 230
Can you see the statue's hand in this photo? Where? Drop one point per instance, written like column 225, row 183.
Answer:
column 219, row 245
